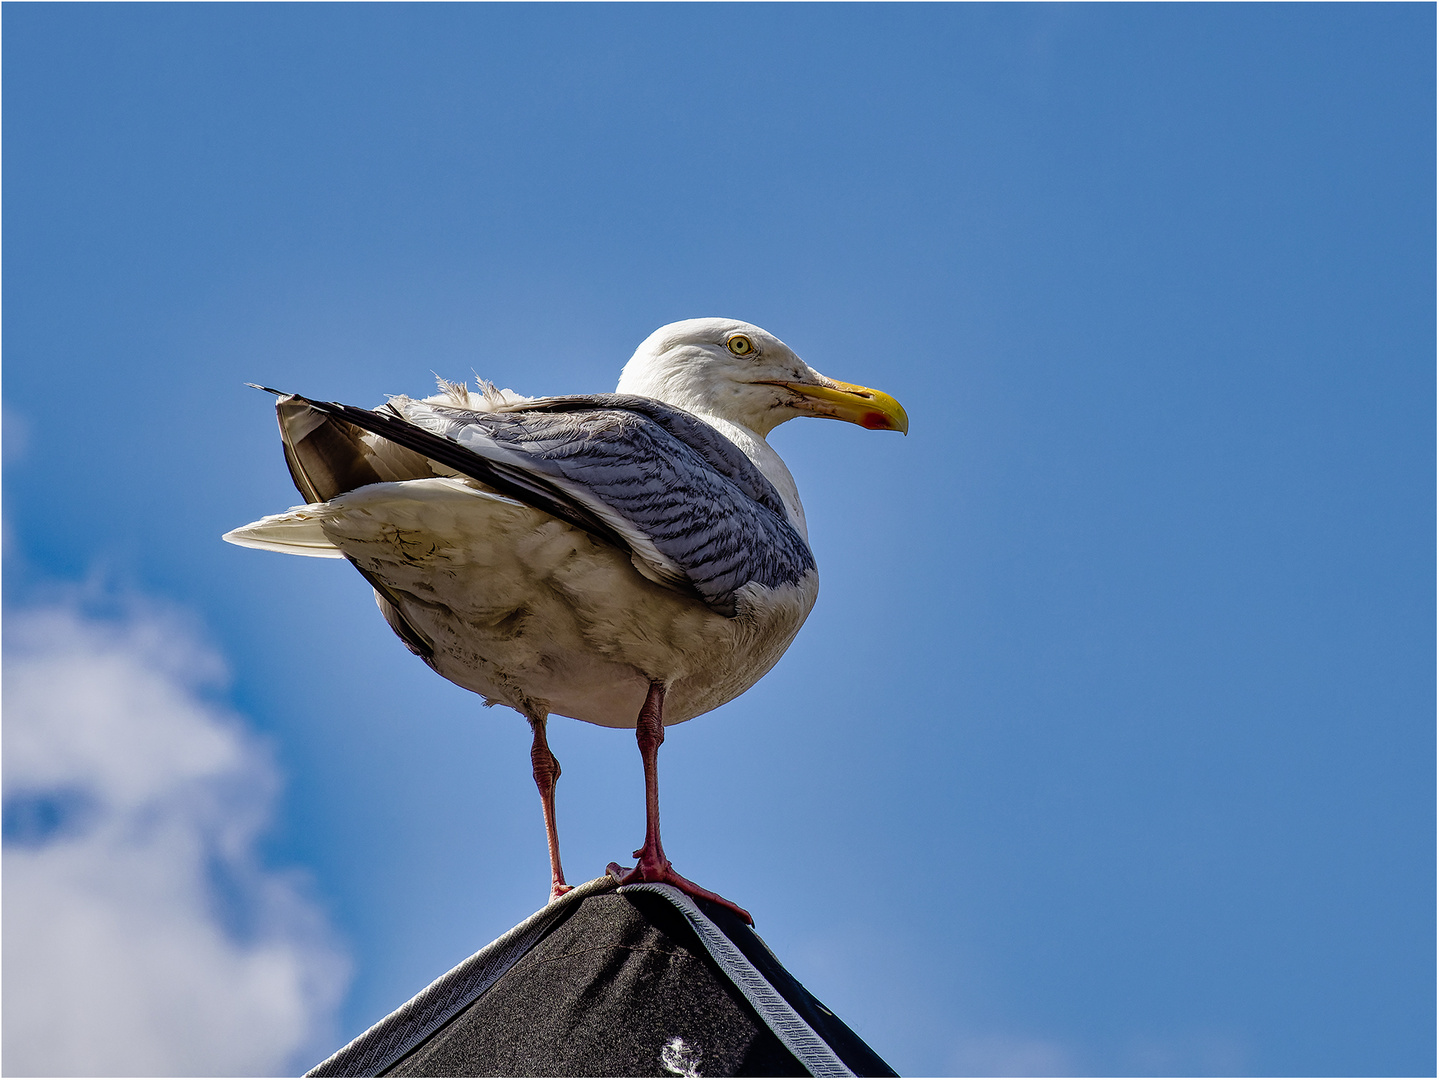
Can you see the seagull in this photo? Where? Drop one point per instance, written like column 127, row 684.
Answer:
column 632, row 559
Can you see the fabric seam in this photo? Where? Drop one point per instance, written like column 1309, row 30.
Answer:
column 774, row 1011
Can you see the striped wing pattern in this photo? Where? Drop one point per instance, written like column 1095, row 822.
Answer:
column 654, row 480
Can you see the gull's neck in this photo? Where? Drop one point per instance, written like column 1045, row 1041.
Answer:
column 767, row 461
column 681, row 387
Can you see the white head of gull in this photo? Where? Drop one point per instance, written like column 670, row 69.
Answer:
column 631, row 559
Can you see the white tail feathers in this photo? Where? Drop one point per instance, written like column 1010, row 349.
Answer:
column 295, row 532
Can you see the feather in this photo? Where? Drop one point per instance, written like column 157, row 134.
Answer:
column 626, row 470
column 298, row 531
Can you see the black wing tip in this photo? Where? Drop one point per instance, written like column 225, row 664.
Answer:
column 285, row 395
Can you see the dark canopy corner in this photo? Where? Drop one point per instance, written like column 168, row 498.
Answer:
column 636, row 980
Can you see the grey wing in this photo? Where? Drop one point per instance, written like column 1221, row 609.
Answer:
column 666, row 490
column 621, row 475
column 723, row 455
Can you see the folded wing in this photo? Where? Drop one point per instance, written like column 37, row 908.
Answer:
column 687, row 505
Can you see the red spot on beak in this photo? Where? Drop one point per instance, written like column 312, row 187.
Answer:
column 875, row 421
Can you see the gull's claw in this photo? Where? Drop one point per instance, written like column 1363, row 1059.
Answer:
column 662, row 873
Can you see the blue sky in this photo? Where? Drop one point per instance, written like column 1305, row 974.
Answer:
column 1109, row 746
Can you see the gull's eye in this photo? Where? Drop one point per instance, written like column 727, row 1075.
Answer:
column 740, row 345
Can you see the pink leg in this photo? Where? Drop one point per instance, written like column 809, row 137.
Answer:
column 653, row 866
column 547, row 772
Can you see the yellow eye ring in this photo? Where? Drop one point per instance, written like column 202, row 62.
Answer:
column 740, row 345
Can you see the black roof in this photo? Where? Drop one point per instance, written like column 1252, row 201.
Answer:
column 610, row 980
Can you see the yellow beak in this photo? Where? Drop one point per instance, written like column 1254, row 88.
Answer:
column 873, row 409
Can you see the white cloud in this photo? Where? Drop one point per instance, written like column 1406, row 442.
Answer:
column 143, row 936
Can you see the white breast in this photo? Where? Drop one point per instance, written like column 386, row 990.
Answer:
column 528, row 611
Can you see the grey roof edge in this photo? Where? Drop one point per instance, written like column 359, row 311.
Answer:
column 778, row 1015
column 386, row 1042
